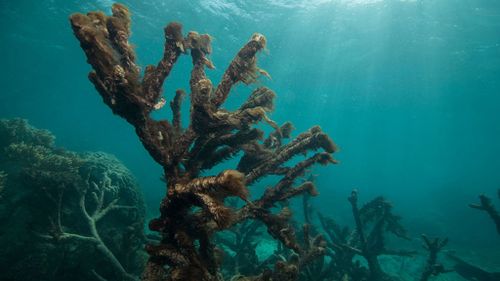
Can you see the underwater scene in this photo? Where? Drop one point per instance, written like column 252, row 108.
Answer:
column 236, row 140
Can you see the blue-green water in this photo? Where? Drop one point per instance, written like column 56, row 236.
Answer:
column 409, row 90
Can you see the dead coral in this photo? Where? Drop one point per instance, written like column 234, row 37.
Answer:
column 242, row 240
column 487, row 206
column 302, row 258
column 289, row 265
column 193, row 208
column 341, row 249
column 372, row 221
column 432, row 267
column 314, row 247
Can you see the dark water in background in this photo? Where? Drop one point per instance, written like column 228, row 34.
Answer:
column 410, row 91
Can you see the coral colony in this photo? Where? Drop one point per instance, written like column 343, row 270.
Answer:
column 67, row 213
column 194, row 209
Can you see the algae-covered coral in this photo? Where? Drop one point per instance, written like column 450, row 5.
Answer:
column 66, row 215
column 193, row 208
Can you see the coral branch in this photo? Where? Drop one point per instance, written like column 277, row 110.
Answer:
column 243, row 68
column 175, row 105
column 91, row 219
column 311, row 140
column 154, row 77
column 378, row 212
column 487, row 206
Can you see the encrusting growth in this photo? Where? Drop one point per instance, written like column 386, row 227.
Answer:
column 193, row 208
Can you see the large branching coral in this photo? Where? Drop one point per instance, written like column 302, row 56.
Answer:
column 66, row 215
column 193, row 208
column 319, row 266
column 343, row 245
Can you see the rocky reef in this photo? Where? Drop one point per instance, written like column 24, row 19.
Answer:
column 65, row 215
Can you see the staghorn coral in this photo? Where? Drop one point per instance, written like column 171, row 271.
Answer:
column 239, row 245
column 91, row 218
column 290, row 265
column 242, row 240
column 341, row 249
column 372, row 221
column 193, row 208
column 432, row 267
column 62, row 213
column 343, row 245
column 485, row 205
column 311, row 249
column 315, row 249
column 322, row 265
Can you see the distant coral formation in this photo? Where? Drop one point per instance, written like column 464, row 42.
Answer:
column 433, row 267
column 373, row 221
column 194, row 205
column 65, row 215
column 487, row 206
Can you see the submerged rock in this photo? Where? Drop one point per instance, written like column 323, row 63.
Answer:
column 65, row 215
